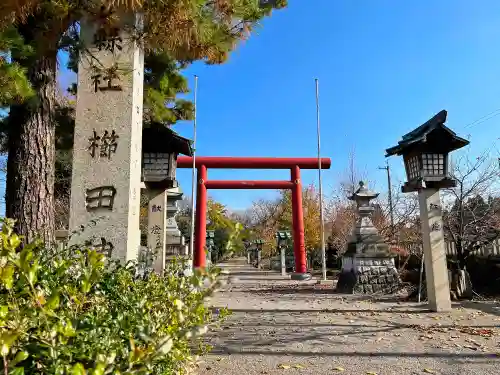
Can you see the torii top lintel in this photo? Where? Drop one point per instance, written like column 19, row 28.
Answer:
column 252, row 162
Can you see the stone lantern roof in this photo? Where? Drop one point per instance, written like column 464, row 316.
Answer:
column 363, row 194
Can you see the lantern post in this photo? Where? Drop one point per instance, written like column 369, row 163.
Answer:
column 259, row 243
column 283, row 238
column 160, row 148
column 425, row 153
column 248, row 245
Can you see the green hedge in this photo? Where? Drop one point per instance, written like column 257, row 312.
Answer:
column 67, row 313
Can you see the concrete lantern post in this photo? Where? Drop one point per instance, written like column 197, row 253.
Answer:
column 425, row 153
column 283, row 238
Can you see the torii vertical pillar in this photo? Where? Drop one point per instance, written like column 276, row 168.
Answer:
column 200, row 238
column 299, row 248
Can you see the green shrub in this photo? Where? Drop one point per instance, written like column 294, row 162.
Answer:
column 65, row 312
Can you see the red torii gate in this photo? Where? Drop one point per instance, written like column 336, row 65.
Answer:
column 295, row 184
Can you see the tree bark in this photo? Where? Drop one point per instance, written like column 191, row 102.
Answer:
column 461, row 283
column 31, row 157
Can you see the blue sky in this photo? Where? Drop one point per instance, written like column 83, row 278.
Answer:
column 384, row 67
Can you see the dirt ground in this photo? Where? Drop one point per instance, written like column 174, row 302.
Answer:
column 279, row 326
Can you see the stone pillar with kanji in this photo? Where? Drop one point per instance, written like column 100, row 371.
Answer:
column 106, row 175
column 157, row 217
column 438, row 290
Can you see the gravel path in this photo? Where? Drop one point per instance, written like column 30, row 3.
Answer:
column 279, row 326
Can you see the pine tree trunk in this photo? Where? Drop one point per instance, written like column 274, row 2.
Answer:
column 31, row 159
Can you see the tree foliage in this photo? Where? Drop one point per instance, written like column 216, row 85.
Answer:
column 186, row 30
column 172, row 32
column 472, row 209
column 229, row 231
column 14, row 85
column 269, row 216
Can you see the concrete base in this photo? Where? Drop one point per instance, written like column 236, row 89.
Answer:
column 325, row 282
column 301, row 276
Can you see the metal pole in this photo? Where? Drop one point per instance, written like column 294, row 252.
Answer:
column 321, row 218
column 389, row 187
column 193, row 175
column 421, row 273
column 391, row 208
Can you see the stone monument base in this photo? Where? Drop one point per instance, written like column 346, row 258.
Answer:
column 301, row 276
column 362, row 275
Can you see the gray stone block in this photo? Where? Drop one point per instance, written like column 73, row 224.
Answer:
column 368, row 289
column 359, row 289
column 363, row 279
column 377, row 288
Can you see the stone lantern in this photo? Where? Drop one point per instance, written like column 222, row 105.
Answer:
column 259, row 243
column 283, row 238
column 210, row 244
column 425, row 153
column 160, row 147
column 247, row 244
column 367, row 265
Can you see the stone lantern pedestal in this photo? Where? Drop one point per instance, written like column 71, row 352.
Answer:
column 175, row 243
column 367, row 265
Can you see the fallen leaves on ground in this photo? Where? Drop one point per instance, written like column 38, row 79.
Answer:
column 477, row 331
column 428, row 370
column 339, row 369
column 283, row 366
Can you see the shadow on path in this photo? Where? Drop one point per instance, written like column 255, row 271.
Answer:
column 332, row 311
column 227, row 350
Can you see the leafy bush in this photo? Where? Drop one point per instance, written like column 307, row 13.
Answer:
column 67, row 313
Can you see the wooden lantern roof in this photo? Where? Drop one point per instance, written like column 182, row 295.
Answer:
column 433, row 134
column 160, row 139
